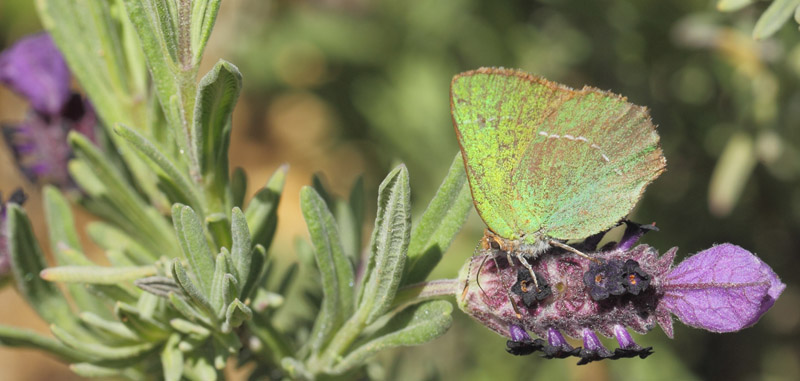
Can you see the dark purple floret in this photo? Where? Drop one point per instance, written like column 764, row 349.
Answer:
column 722, row 289
column 530, row 292
column 604, row 279
column 634, row 279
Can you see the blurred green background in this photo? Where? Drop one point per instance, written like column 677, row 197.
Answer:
column 345, row 87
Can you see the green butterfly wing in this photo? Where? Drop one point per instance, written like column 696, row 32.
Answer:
column 544, row 160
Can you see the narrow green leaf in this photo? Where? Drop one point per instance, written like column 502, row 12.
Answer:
column 96, row 274
column 238, row 187
column 101, row 351
column 236, row 314
column 189, row 312
column 113, row 328
column 23, row 338
column 220, row 269
column 166, row 170
column 413, row 326
column 160, row 46
column 138, row 321
column 111, row 238
column 195, row 294
column 217, row 93
column 188, row 328
column 219, row 225
column 172, row 359
column 61, row 226
column 66, row 247
column 388, row 247
column 335, row 269
column 193, row 242
column 204, row 14
column 262, row 211
column 158, row 285
column 27, row 261
column 242, row 245
column 777, row 14
column 442, row 220
column 257, row 267
column 143, row 222
column 89, row 370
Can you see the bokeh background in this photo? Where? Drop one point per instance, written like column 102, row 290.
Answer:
column 351, row 87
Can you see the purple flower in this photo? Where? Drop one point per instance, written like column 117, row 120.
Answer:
column 18, row 197
column 722, row 289
column 35, row 69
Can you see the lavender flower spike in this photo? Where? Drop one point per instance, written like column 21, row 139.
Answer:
column 34, row 68
column 722, row 289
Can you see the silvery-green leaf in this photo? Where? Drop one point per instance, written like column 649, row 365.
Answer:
column 442, row 220
column 152, row 21
column 172, row 359
column 777, row 14
column 261, row 213
column 89, row 370
column 216, row 296
column 204, row 14
column 27, row 261
column 388, row 247
column 238, row 186
column 180, row 186
column 189, row 289
column 143, row 222
column 336, row 272
column 96, row 274
column 236, row 314
column 113, row 328
column 110, row 238
column 66, row 246
column 146, row 327
column 193, row 242
column 187, row 310
column 230, row 289
column 732, row 5
column 158, row 285
column 257, row 268
column 217, row 93
column 101, row 351
column 23, row 338
column 219, row 226
column 242, row 245
column 188, row 328
column 414, row 326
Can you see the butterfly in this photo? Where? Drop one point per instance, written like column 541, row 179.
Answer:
column 546, row 163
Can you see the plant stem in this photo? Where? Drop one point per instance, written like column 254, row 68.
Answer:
column 420, row 292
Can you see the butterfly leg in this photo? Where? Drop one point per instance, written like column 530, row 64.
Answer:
column 521, row 258
column 572, row 250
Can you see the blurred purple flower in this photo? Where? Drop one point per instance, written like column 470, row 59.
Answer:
column 722, row 289
column 18, row 197
column 35, row 69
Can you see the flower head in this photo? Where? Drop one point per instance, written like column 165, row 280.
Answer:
column 722, row 289
column 35, row 69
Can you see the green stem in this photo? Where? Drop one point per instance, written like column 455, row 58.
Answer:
column 406, row 296
column 420, row 292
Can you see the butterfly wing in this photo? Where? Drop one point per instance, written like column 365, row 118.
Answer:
column 546, row 160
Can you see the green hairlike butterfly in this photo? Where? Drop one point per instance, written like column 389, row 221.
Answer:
column 547, row 163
